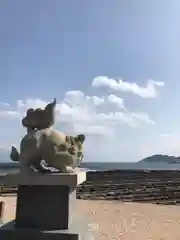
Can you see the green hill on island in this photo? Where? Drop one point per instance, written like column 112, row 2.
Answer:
column 161, row 159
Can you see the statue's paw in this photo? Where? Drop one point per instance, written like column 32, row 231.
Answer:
column 68, row 169
column 43, row 171
column 26, row 170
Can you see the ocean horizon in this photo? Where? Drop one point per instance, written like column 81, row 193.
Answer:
column 7, row 167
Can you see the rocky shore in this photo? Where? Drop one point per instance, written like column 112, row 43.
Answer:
column 161, row 187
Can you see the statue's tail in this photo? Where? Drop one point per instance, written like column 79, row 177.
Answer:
column 14, row 155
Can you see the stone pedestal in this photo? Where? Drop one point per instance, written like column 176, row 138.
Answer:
column 44, row 208
column 1, row 211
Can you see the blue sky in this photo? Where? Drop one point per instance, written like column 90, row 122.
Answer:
column 77, row 51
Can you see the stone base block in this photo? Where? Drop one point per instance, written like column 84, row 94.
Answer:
column 36, row 235
column 53, row 179
column 1, row 211
column 79, row 230
column 45, row 202
column 44, row 207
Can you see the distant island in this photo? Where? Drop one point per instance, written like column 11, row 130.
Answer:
column 159, row 158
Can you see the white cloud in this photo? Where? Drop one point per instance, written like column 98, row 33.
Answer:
column 94, row 130
column 86, row 115
column 82, row 113
column 28, row 103
column 131, row 119
column 96, row 100
column 8, row 114
column 119, row 85
column 4, row 104
column 101, row 118
column 167, row 135
column 76, row 97
column 143, row 117
column 116, row 100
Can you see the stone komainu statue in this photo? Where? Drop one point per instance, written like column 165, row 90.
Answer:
column 41, row 142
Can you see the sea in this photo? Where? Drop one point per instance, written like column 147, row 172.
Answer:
column 9, row 167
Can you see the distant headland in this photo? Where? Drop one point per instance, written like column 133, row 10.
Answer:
column 159, row 158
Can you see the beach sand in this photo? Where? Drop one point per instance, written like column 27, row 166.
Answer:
column 114, row 220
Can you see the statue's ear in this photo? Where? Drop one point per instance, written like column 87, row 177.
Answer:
column 49, row 112
column 50, row 107
column 14, row 155
column 81, row 138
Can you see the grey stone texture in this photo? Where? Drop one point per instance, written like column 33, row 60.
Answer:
column 78, row 230
column 45, row 210
column 51, row 179
column 44, row 207
column 1, row 211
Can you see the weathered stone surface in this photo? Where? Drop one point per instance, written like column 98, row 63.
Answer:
column 34, row 234
column 78, row 230
column 46, row 201
column 42, row 143
column 44, row 207
column 44, row 210
column 58, row 179
column 1, row 211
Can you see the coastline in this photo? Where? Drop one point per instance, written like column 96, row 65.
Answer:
column 108, row 200
column 147, row 186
